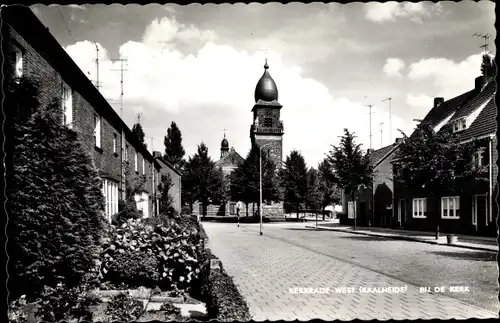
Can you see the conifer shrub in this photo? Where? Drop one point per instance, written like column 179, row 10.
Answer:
column 54, row 203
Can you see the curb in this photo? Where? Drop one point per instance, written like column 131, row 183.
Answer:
column 396, row 237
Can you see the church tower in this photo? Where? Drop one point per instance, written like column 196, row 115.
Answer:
column 267, row 129
column 224, row 147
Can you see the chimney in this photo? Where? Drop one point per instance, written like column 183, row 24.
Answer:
column 370, row 151
column 157, row 154
column 399, row 141
column 438, row 101
column 480, row 83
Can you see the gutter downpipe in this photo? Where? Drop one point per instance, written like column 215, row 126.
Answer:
column 490, row 181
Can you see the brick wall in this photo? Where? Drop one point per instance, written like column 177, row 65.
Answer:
column 275, row 146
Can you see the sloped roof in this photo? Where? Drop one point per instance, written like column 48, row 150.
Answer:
column 379, row 155
column 227, row 159
column 476, row 101
column 439, row 113
column 485, row 123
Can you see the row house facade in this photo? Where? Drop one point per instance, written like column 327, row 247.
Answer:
column 471, row 115
column 175, row 175
column 30, row 50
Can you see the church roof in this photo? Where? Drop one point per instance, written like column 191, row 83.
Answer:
column 266, row 89
column 232, row 158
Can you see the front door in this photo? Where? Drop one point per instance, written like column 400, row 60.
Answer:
column 479, row 210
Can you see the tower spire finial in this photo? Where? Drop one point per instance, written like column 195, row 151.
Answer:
column 224, row 133
column 265, row 65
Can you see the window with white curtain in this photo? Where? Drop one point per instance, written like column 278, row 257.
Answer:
column 19, row 62
column 450, row 207
column 97, row 130
column 67, row 105
column 419, row 208
column 143, row 166
column 110, row 192
column 135, row 160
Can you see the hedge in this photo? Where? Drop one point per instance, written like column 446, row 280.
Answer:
column 224, row 301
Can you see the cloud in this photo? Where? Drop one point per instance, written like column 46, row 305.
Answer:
column 212, row 88
column 76, row 6
column 449, row 77
column 421, row 101
column 389, row 11
column 393, row 66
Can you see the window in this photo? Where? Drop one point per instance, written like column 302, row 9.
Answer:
column 419, row 208
column 110, row 192
column 114, row 142
column 478, row 158
column 459, row 125
column 268, row 122
column 135, row 161
column 19, row 62
column 97, row 130
column 126, row 152
column 67, row 105
column 450, row 207
column 143, row 166
column 232, row 208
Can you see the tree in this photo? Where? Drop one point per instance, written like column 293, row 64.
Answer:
column 313, row 196
column 245, row 179
column 488, row 66
column 55, row 203
column 202, row 180
column 437, row 163
column 166, row 202
column 330, row 193
column 351, row 169
column 174, row 152
column 294, row 181
column 139, row 132
column 127, row 208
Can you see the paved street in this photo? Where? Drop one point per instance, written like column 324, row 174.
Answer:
column 288, row 256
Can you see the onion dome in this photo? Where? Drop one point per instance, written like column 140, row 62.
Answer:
column 224, row 143
column 266, row 89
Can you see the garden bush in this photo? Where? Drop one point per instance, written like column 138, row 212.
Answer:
column 55, row 205
column 176, row 248
column 124, row 308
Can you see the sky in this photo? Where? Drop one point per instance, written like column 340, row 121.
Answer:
column 198, row 65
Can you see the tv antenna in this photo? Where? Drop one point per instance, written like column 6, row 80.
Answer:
column 370, row 113
column 381, row 135
column 121, row 70
column 486, row 38
column 97, row 85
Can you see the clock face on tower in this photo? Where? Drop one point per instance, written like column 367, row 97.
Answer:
column 269, row 113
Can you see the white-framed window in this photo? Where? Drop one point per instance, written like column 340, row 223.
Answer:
column 143, row 166
column 126, row 152
column 135, row 162
column 450, row 207
column 419, row 209
column 19, row 62
column 478, row 158
column 459, row 125
column 67, row 105
column 115, row 137
column 110, row 192
column 142, row 202
column 97, row 130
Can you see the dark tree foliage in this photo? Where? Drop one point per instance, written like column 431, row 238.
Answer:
column 202, row 180
column 174, row 152
column 294, row 181
column 139, row 132
column 166, row 201
column 55, row 204
column 488, row 66
column 330, row 193
column 245, row 179
column 351, row 169
column 436, row 162
column 314, row 195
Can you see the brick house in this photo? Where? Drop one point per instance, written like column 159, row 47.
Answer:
column 175, row 176
column 31, row 50
column 374, row 204
column 472, row 116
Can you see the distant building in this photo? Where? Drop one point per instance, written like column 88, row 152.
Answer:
column 30, row 49
column 472, row 116
column 266, row 131
column 175, row 175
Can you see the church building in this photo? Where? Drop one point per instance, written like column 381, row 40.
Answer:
column 266, row 131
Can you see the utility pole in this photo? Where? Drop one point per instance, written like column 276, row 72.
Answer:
column 370, row 112
column 121, row 70
column 390, row 117
column 97, row 85
column 381, row 136
column 139, row 117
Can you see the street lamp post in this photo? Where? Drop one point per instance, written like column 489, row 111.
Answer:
column 260, row 179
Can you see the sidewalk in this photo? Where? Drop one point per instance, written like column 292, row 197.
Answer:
column 463, row 241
